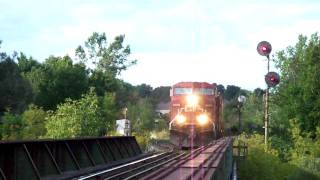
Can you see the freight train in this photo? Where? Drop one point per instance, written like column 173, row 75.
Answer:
column 195, row 114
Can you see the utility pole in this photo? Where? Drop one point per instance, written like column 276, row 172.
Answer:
column 266, row 112
column 241, row 101
column 272, row 79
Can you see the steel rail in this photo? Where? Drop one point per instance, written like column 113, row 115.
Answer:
column 212, row 160
column 137, row 168
column 182, row 160
column 163, row 172
column 121, row 166
column 193, row 154
column 156, row 166
column 153, row 167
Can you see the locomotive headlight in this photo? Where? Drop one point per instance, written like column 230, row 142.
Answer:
column 192, row 100
column 180, row 119
column 202, row 119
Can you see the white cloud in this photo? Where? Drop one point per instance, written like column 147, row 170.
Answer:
column 224, row 65
column 190, row 40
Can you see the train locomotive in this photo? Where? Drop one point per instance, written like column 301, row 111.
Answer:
column 195, row 114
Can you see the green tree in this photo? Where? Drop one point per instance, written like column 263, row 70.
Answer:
column 26, row 64
column 160, row 94
column 34, row 119
column 305, row 151
column 109, row 112
column 11, row 126
column 103, row 82
column 125, row 94
column 267, row 165
column 253, row 112
column 144, row 90
column 298, row 94
column 221, row 89
column 15, row 91
column 142, row 116
column 231, row 92
column 76, row 118
column 57, row 80
column 110, row 59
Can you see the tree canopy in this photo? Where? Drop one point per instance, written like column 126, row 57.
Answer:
column 298, row 94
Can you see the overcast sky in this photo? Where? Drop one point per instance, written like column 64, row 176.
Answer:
column 173, row 41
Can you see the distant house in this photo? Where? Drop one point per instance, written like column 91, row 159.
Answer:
column 163, row 107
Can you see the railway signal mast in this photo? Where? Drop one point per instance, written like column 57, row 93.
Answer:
column 272, row 79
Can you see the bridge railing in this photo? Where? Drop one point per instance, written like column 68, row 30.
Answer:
column 240, row 149
column 62, row 158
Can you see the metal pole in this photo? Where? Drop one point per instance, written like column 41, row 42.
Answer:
column 266, row 115
column 239, row 117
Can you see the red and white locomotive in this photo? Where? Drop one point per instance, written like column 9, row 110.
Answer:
column 196, row 112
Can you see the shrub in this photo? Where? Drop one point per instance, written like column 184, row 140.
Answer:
column 267, row 165
column 34, row 120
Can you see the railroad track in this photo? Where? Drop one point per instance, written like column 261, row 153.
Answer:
column 193, row 164
column 161, row 145
column 120, row 172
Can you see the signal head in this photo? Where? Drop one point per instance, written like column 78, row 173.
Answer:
column 264, row 48
column 272, row 79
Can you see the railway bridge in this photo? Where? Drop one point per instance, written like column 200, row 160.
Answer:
column 112, row 158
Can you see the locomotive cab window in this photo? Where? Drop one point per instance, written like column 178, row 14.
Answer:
column 180, row 91
column 204, row 91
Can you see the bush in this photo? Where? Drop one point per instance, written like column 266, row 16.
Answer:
column 143, row 140
column 34, row 119
column 267, row 165
column 79, row 118
column 163, row 134
column 11, row 126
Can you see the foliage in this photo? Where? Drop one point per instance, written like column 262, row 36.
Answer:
column 163, row 134
column 103, row 82
column 161, row 123
column 221, row 89
column 11, row 126
column 294, row 110
column 305, row 152
column 108, row 111
column 299, row 89
column 144, row 90
column 34, row 119
column 15, row 92
column 252, row 112
column 76, row 118
column 57, row 80
column 230, row 118
column 26, row 64
column 110, row 59
column 160, row 94
column 125, row 93
column 266, row 165
column 231, row 92
column 141, row 116
column 143, row 139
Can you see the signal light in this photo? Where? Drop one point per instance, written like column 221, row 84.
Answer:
column 264, row 48
column 272, row 79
